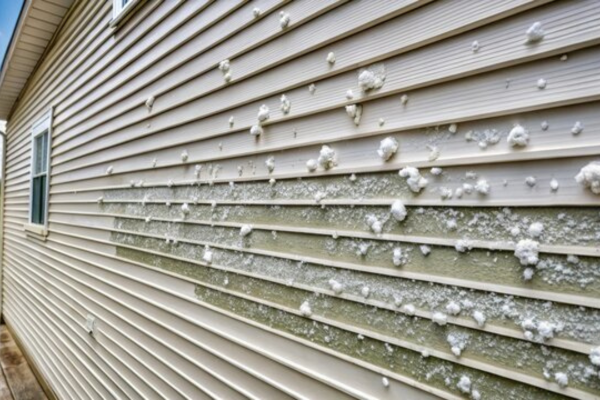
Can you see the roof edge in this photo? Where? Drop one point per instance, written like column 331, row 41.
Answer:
column 8, row 100
column 11, row 46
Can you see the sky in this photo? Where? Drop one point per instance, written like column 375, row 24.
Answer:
column 9, row 12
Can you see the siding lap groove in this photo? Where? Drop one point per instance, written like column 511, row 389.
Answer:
column 567, row 344
column 121, row 367
column 121, row 334
column 555, row 388
column 113, row 285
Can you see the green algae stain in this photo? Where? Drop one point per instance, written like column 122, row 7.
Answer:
column 512, row 354
column 434, row 372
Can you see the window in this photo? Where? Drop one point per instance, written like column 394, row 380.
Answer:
column 40, row 165
column 121, row 5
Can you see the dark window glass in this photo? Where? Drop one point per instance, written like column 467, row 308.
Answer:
column 38, row 202
column 39, row 179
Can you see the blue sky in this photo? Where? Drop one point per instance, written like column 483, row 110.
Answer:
column 9, row 12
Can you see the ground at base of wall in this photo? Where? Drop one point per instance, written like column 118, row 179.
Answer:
column 17, row 381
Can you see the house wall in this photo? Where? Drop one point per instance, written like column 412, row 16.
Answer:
column 329, row 296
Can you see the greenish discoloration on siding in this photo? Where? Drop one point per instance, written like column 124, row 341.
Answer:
column 506, row 311
column 562, row 226
column 246, row 280
column 554, row 272
column 512, row 354
column 430, row 370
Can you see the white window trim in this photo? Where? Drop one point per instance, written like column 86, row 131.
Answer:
column 119, row 11
column 40, row 126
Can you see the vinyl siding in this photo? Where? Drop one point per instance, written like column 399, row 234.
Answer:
column 171, row 325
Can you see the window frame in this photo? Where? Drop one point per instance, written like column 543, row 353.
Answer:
column 42, row 126
column 120, row 10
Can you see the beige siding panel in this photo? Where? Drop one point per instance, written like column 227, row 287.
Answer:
column 278, row 371
column 216, row 43
column 70, row 59
column 356, row 15
column 94, row 388
column 106, row 261
column 132, row 379
column 191, row 351
column 573, row 80
column 68, row 47
column 75, row 389
column 217, row 13
column 68, row 54
column 373, row 122
column 213, row 80
column 328, row 296
column 70, row 230
column 249, row 113
column 53, row 372
column 296, row 254
column 408, row 67
column 117, row 373
column 161, row 388
column 189, row 10
column 109, row 41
